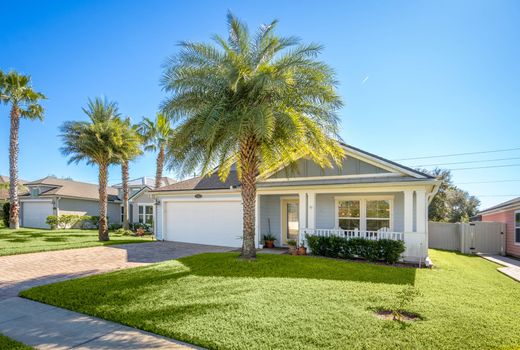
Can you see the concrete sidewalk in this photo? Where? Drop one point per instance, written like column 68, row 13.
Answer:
column 47, row 327
column 511, row 267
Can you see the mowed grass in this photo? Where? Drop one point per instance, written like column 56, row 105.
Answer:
column 284, row 302
column 10, row 344
column 27, row 240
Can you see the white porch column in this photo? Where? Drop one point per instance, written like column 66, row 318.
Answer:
column 311, row 210
column 408, row 210
column 303, row 210
column 421, row 217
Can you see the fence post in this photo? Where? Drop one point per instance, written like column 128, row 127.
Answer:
column 462, row 234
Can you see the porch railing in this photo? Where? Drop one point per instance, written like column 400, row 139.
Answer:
column 373, row 235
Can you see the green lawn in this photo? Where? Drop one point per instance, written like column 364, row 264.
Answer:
column 217, row 301
column 27, row 240
column 9, row 344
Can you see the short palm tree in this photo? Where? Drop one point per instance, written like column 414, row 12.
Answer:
column 99, row 141
column 258, row 102
column 156, row 134
column 16, row 90
column 133, row 142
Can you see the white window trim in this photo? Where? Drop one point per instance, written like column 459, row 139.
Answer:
column 515, row 227
column 144, row 212
column 363, row 209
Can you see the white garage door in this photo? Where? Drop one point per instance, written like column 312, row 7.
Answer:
column 35, row 214
column 205, row 222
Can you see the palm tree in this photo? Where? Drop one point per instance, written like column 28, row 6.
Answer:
column 258, row 102
column 132, row 148
column 16, row 90
column 99, row 141
column 156, row 134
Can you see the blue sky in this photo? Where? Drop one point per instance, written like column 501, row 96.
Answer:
column 418, row 78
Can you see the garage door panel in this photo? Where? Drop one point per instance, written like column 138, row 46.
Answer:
column 35, row 214
column 209, row 222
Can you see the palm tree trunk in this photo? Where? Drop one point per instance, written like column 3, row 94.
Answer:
column 249, row 165
column 124, row 173
column 159, row 168
column 103, row 182
column 14, row 221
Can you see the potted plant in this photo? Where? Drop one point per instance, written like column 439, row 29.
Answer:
column 269, row 241
column 292, row 247
column 302, row 250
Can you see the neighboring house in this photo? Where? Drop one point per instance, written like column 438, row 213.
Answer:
column 141, row 204
column 367, row 197
column 52, row 196
column 4, row 189
column 509, row 214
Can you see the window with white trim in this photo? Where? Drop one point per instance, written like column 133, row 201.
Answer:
column 517, row 227
column 122, row 213
column 146, row 214
column 365, row 214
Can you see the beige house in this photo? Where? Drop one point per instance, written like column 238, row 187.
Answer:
column 53, row 196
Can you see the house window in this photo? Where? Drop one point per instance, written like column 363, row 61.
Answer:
column 35, row 192
column 517, row 227
column 349, row 214
column 377, row 214
column 146, row 214
column 122, row 213
column 365, row 214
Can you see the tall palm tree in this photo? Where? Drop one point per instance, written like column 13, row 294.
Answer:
column 132, row 149
column 16, row 90
column 99, row 141
column 258, row 102
column 156, row 134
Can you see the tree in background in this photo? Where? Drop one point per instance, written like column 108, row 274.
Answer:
column 132, row 149
column 99, row 141
column 257, row 102
column 450, row 204
column 16, row 90
column 156, row 134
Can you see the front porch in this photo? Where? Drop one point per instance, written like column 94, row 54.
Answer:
column 397, row 215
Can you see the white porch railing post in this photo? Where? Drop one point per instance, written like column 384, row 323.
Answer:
column 408, row 210
column 302, row 214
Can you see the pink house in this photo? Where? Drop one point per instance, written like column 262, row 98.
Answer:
column 509, row 214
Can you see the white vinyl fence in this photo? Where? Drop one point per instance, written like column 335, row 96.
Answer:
column 473, row 237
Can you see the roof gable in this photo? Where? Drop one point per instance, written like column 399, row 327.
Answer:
column 356, row 164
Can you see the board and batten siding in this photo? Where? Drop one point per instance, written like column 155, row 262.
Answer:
column 307, row 168
column 270, row 212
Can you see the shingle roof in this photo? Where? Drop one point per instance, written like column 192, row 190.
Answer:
column 70, row 188
column 4, row 192
column 512, row 202
column 147, row 181
column 211, row 182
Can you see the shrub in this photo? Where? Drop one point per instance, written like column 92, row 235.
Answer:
column 52, row 221
column 385, row 250
column 89, row 222
column 68, row 220
column 113, row 227
column 123, row 232
column 6, row 208
column 136, row 226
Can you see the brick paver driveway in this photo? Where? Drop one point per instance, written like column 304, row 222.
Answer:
column 19, row 272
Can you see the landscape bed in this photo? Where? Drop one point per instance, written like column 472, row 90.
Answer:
column 279, row 301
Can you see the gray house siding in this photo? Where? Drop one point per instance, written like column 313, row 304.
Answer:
column 86, row 207
column 270, row 211
column 307, row 168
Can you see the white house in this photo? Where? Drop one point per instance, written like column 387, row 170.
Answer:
column 368, row 196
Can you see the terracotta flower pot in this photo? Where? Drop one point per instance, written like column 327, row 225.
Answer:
column 302, row 251
column 269, row 244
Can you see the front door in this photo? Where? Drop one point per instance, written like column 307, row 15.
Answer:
column 290, row 220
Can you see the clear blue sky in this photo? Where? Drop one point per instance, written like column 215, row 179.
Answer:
column 418, row 78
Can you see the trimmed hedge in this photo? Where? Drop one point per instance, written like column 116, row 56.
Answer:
column 386, row 250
